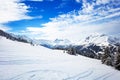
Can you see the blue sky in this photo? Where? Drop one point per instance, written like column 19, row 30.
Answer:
column 68, row 19
column 43, row 10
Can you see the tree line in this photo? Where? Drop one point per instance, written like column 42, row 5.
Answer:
column 109, row 56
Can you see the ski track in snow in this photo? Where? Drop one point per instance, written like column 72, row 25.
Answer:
column 58, row 75
column 81, row 75
column 53, row 75
column 104, row 77
column 41, row 75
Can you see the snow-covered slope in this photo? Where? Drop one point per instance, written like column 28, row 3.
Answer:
column 21, row 61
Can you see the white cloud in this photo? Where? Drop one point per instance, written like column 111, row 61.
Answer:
column 4, row 28
column 73, row 32
column 98, row 2
column 78, row 1
column 73, row 25
column 12, row 10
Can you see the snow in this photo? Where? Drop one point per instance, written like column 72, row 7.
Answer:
column 61, row 42
column 100, row 39
column 52, row 43
column 21, row 61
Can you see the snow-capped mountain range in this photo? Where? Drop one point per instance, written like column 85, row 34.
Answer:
column 21, row 61
column 43, row 42
column 100, row 40
column 95, row 38
column 92, row 44
column 53, row 43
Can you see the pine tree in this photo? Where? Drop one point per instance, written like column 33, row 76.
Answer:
column 105, row 55
column 71, row 51
column 117, row 59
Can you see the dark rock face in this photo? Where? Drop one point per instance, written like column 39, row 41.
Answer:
column 91, row 50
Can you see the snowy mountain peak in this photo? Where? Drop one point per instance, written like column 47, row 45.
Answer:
column 100, row 39
column 96, row 35
column 61, row 42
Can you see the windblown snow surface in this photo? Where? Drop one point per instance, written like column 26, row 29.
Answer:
column 21, row 61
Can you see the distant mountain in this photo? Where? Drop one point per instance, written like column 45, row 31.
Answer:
column 18, row 38
column 43, row 42
column 100, row 39
column 91, row 46
column 55, row 44
column 61, row 42
column 95, row 44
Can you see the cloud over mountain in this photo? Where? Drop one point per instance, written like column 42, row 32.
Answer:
column 95, row 16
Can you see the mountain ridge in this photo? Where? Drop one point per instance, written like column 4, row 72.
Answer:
column 102, row 47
